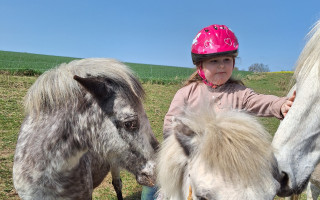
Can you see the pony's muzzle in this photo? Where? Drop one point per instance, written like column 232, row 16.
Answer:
column 289, row 188
column 147, row 175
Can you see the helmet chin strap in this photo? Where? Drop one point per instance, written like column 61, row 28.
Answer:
column 205, row 80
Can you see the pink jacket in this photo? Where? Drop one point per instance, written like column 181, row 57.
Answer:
column 228, row 96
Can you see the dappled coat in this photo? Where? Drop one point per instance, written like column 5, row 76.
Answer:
column 83, row 119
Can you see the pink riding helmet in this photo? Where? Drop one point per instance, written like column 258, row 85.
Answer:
column 213, row 40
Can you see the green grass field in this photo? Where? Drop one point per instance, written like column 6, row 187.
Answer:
column 16, row 63
column 159, row 95
column 29, row 64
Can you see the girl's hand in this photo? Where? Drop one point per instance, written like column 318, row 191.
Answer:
column 287, row 105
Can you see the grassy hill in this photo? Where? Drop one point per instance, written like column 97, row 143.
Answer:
column 35, row 64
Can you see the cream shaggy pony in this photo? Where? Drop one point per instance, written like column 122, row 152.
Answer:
column 221, row 156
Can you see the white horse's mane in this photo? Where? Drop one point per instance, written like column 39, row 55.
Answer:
column 232, row 143
column 310, row 55
column 55, row 87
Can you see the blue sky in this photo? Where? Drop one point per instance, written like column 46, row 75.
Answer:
column 271, row 32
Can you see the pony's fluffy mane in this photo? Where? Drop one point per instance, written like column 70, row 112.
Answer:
column 232, row 143
column 56, row 87
column 310, row 55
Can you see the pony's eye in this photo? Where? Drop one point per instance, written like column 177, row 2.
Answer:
column 131, row 125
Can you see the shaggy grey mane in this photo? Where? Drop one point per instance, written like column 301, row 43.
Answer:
column 56, row 87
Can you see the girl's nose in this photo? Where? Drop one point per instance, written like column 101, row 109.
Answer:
column 221, row 65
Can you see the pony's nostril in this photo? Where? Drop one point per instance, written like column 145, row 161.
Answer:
column 284, row 179
column 286, row 185
column 144, row 174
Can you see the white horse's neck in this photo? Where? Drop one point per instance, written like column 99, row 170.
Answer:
column 305, row 104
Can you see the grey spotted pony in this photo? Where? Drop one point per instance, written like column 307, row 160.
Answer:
column 83, row 119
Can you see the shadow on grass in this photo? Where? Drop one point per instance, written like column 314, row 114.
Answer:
column 134, row 196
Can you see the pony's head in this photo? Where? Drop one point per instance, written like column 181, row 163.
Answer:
column 297, row 138
column 220, row 155
column 95, row 107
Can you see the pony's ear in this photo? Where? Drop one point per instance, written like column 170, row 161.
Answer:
column 96, row 87
column 185, row 136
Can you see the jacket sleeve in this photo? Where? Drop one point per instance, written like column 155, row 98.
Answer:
column 176, row 107
column 263, row 105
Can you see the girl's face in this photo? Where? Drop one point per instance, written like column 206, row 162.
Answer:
column 218, row 70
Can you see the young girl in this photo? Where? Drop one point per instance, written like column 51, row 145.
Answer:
column 213, row 51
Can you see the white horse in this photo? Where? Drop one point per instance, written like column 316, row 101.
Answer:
column 220, row 156
column 297, row 140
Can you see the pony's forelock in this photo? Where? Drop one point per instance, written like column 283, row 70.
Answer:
column 235, row 143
